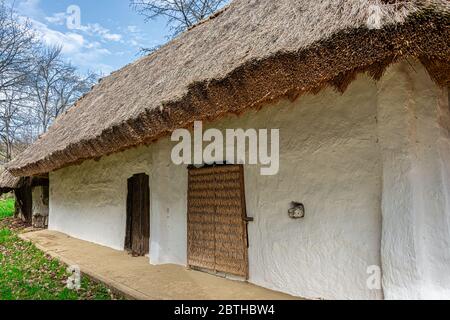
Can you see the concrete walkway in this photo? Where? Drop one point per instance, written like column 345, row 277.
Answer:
column 137, row 279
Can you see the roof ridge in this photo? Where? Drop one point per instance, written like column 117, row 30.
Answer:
column 210, row 17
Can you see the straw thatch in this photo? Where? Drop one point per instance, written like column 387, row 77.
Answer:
column 251, row 53
column 8, row 182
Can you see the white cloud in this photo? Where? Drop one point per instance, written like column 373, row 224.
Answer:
column 80, row 50
column 133, row 29
column 112, row 37
column 91, row 29
column 59, row 18
column 97, row 29
column 70, row 42
column 134, row 43
column 84, row 46
column 137, row 38
column 29, row 8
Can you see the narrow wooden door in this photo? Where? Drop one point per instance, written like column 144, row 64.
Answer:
column 24, row 201
column 217, row 227
column 137, row 236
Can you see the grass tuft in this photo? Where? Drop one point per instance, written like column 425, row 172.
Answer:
column 27, row 273
column 6, row 208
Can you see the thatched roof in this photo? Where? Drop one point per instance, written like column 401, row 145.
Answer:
column 251, row 53
column 8, row 182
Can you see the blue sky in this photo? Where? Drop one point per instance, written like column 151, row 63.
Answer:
column 109, row 36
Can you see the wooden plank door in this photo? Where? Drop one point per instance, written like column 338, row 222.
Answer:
column 137, row 236
column 24, row 201
column 217, row 228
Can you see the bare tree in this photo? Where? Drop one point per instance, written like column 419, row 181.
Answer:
column 69, row 87
column 180, row 14
column 17, row 43
column 36, row 84
column 16, row 46
column 42, row 82
column 55, row 85
column 14, row 118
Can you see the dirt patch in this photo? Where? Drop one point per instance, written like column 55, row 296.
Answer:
column 14, row 224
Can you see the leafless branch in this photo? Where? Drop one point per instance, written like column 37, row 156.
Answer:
column 180, row 14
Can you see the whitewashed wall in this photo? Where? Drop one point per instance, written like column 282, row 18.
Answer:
column 329, row 161
column 414, row 124
column 39, row 207
column 89, row 201
column 168, row 220
column 332, row 157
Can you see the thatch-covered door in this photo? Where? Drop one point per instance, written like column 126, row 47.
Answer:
column 137, row 236
column 217, row 225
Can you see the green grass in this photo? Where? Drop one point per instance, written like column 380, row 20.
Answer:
column 6, row 208
column 26, row 273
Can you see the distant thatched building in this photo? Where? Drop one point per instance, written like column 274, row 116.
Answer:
column 359, row 92
column 8, row 182
column 31, row 197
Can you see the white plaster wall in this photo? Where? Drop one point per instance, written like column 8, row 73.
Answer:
column 338, row 153
column 414, row 123
column 329, row 161
column 39, row 207
column 89, row 201
column 168, row 220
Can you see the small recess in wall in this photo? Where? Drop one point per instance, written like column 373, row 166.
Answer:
column 297, row 210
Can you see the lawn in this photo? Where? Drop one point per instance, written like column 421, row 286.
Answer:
column 6, row 208
column 26, row 273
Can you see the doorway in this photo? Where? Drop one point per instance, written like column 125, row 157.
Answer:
column 217, row 220
column 137, row 236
